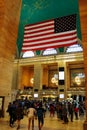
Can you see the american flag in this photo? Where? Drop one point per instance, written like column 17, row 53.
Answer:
column 53, row 33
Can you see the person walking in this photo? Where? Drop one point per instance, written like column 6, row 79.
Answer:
column 31, row 113
column 76, row 110
column 52, row 110
column 71, row 111
column 19, row 114
column 11, row 110
column 40, row 115
column 65, row 118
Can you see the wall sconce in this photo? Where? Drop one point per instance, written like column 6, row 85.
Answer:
column 32, row 80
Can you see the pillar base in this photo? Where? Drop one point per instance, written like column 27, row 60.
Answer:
column 85, row 125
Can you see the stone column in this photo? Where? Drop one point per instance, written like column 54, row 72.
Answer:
column 15, row 76
column 38, row 77
column 16, row 80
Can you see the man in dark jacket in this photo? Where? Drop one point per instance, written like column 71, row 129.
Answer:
column 40, row 115
column 12, row 110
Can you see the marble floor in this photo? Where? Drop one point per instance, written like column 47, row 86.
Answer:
column 50, row 123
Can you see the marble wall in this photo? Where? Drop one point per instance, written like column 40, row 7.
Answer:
column 9, row 21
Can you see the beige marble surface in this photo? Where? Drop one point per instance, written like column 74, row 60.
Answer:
column 50, row 123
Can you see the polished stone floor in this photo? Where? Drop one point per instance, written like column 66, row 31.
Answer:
column 50, row 123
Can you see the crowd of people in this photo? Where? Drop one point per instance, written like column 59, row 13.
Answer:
column 67, row 110
column 35, row 109
column 32, row 109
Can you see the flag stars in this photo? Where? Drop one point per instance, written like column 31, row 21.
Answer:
column 65, row 23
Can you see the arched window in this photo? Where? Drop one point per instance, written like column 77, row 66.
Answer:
column 50, row 51
column 28, row 54
column 74, row 48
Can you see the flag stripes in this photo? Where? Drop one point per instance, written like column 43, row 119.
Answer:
column 42, row 35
